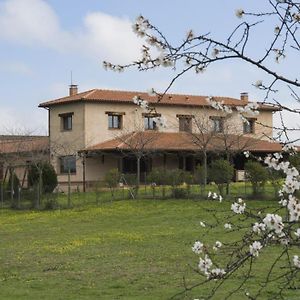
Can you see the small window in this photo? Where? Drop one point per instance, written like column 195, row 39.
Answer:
column 249, row 127
column 185, row 124
column 217, row 125
column 149, row 122
column 67, row 164
column 114, row 121
column 66, row 121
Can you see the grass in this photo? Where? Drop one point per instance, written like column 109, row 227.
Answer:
column 131, row 249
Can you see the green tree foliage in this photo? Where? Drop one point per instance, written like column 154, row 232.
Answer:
column 257, row 175
column 49, row 177
column 221, row 172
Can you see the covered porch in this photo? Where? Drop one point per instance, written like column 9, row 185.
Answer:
column 141, row 152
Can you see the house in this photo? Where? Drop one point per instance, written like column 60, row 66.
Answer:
column 94, row 131
column 17, row 152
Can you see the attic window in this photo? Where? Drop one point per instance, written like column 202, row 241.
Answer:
column 149, row 120
column 115, row 119
column 217, row 124
column 249, row 126
column 66, row 121
column 185, row 122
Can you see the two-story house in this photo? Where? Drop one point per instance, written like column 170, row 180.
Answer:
column 94, row 131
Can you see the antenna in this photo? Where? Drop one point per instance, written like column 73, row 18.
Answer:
column 71, row 77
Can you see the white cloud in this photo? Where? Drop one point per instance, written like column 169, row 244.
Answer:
column 101, row 36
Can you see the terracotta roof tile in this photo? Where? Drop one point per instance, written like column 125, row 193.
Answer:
column 23, row 144
column 99, row 95
column 182, row 141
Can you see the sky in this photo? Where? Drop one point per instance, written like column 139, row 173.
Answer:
column 43, row 41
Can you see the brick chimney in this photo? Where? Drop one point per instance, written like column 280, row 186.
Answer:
column 244, row 96
column 73, row 90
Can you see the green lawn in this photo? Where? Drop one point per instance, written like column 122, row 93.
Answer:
column 131, row 249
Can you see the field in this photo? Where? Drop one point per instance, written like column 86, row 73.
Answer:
column 131, row 249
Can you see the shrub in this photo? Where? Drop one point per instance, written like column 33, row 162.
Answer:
column 51, row 203
column 199, row 175
column 257, row 175
column 49, row 177
column 158, row 176
column 276, row 178
column 112, row 178
column 179, row 193
column 221, row 172
column 174, row 177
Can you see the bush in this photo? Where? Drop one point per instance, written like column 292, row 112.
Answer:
column 179, row 193
column 158, row 176
column 174, row 177
column 199, row 175
column 221, row 172
column 257, row 175
column 276, row 178
column 51, row 203
column 112, row 178
column 49, row 177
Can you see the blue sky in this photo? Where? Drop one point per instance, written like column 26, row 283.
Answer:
column 41, row 41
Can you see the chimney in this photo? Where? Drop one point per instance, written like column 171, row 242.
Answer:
column 244, row 96
column 73, row 89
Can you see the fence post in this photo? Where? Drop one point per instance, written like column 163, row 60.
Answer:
column 69, row 188
column 2, row 195
column 19, row 198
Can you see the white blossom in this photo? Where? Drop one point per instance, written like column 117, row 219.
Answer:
column 254, row 248
column 274, row 222
column 227, row 226
column 296, row 17
column 217, row 272
column 296, row 261
column 190, row 35
column 151, row 92
column 297, row 233
column 198, row 247
column 202, row 224
column 276, row 29
column 217, row 245
column 258, row 83
column 215, row 53
column 205, row 264
column 246, row 153
column 239, row 12
column 200, row 69
column 238, row 207
column 258, row 227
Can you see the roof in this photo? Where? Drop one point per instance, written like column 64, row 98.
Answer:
column 183, row 141
column 23, row 144
column 99, row 95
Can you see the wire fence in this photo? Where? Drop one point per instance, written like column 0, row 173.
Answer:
column 35, row 198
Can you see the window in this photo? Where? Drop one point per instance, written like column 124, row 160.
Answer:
column 67, row 164
column 217, row 125
column 185, row 123
column 149, row 123
column 115, row 120
column 249, row 127
column 66, row 121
